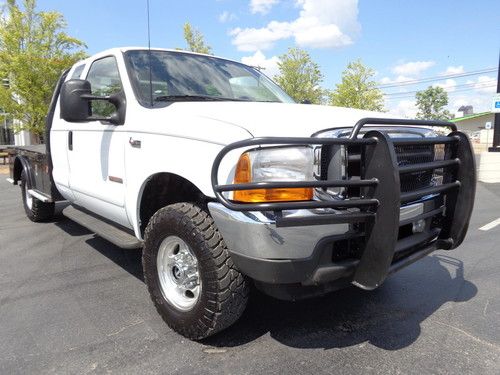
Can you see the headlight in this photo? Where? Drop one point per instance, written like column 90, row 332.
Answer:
column 274, row 165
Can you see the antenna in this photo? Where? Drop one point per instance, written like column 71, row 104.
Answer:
column 149, row 58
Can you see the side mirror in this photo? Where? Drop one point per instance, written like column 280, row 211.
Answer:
column 76, row 97
column 307, row 101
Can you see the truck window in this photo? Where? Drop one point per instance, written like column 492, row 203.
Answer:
column 185, row 74
column 77, row 72
column 104, row 80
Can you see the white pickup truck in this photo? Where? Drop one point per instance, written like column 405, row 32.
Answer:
column 224, row 182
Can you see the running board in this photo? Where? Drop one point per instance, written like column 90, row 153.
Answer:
column 115, row 235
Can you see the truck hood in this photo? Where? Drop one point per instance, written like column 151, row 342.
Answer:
column 275, row 119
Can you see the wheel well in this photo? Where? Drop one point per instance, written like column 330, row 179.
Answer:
column 18, row 169
column 163, row 189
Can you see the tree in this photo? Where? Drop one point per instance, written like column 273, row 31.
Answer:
column 34, row 51
column 300, row 77
column 195, row 40
column 358, row 89
column 431, row 103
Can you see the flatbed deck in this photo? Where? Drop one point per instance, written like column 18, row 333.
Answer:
column 41, row 149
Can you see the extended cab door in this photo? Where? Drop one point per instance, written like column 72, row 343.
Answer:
column 96, row 152
column 59, row 143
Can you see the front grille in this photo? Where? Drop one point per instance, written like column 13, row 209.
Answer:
column 417, row 154
column 405, row 155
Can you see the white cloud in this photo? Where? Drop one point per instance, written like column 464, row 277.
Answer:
column 260, row 39
column 270, row 66
column 321, row 24
column 480, row 102
column 398, row 79
column 262, row 6
column 227, row 17
column 485, row 84
column 454, row 70
column 448, row 85
column 412, row 68
column 312, row 33
column 405, row 108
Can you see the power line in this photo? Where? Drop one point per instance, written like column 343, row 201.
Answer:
column 451, row 93
column 437, row 78
column 479, row 85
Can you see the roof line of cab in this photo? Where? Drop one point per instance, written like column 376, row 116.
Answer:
column 113, row 51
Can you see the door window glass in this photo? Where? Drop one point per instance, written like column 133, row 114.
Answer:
column 104, row 80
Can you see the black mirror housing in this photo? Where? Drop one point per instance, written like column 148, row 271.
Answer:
column 76, row 97
column 74, row 108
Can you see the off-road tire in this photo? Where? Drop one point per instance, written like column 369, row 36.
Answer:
column 225, row 290
column 39, row 211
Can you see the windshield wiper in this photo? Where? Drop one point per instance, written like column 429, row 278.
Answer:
column 175, row 98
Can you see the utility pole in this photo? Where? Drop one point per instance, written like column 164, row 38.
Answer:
column 496, row 125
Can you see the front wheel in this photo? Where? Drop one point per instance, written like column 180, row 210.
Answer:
column 191, row 278
column 35, row 209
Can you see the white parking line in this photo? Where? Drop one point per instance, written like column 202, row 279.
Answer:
column 491, row 225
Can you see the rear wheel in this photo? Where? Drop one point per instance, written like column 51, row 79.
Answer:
column 191, row 278
column 35, row 209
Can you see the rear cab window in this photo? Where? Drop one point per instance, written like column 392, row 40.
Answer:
column 77, row 72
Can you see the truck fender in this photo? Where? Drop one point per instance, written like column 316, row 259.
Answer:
column 21, row 164
column 176, row 189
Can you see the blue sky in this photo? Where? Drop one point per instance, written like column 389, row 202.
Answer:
column 401, row 40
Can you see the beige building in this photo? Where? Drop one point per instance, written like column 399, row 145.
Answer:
column 475, row 122
column 475, row 126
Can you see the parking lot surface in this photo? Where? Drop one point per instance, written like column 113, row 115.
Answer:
column 70, row 302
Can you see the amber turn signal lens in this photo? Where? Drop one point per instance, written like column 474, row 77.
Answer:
column 243, row 175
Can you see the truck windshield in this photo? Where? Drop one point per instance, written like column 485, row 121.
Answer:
column 179, row 76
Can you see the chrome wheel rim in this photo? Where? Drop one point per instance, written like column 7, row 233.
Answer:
column 178, row 273
column 29, row 198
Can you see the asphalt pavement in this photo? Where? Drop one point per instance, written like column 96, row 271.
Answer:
column 70, row 302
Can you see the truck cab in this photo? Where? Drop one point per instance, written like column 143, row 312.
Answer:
column 225, row 182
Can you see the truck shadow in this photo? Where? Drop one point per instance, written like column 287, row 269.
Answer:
column 129, row 260
column 389, row 318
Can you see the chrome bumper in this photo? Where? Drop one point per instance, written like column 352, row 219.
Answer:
column 253, row 234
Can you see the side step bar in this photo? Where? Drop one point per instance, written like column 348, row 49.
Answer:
column 115, row 235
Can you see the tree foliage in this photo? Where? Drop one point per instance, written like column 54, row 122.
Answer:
column 34, row 51
column 195, row 40
column 431, row 103
column 358, row 89
column 300, row 76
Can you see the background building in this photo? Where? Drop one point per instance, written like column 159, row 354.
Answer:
column 475, row 122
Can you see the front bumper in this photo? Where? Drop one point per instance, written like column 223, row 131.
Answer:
column 362, row 239
column 309, row 254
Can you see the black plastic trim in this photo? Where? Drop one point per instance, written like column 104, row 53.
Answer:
column 425, row 141
column 425, row 215
column 298, row 184
column 390, row 121
column 417, row 194
column 429, row 166
column 322, row 219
